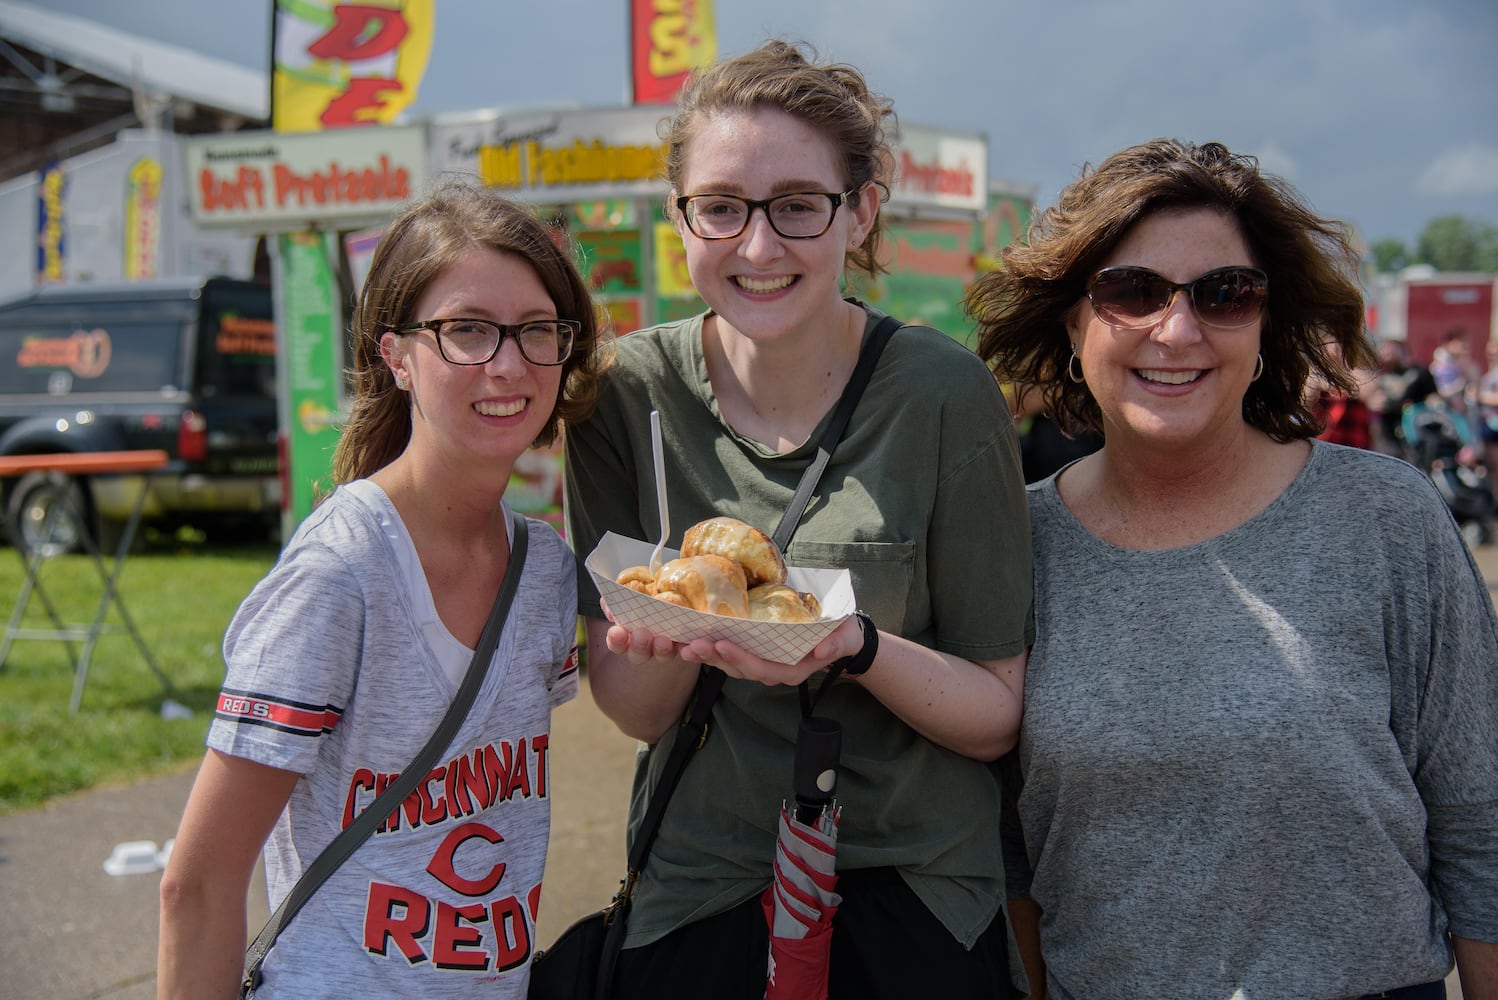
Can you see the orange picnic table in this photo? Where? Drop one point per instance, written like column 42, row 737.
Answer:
column 59, row 466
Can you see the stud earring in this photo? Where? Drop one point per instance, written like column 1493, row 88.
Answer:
column 401, row 382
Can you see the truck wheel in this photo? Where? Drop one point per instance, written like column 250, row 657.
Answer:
column 39, row 521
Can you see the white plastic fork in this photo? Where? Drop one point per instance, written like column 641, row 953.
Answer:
column 659, row 454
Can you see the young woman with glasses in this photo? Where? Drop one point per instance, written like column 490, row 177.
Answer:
column 474, row 337
column 1260, row 740
column 778, row 164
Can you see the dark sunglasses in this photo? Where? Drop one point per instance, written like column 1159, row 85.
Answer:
column 1134, row 298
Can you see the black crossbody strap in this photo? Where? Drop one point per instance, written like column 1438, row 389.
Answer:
column 868, row 357
column 349, row 839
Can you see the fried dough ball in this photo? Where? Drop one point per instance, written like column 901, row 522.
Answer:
column 775, row 602
column 705, row 583
column 742, row 543
column 637, row 578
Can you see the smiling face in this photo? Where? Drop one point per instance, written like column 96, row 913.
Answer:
column 762, row 285
column 492, row 411
column 1179, row 384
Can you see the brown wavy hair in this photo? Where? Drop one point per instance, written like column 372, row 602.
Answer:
column 832, row 98
column 429, row 236
column 1313, row 321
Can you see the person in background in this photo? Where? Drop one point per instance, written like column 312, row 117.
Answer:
column 1487, row 407
column 1260, row 739
column 1344, row 416
column 778, row 164
column 1043, row 446
column 1455, row 372
column 1386, row 396
column 474, row 338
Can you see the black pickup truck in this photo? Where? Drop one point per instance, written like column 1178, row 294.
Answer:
column 186, row 366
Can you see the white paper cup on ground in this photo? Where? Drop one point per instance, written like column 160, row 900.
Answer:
column 783, row 642
column 133, row 857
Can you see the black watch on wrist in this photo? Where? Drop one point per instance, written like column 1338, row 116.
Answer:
column 858, row 664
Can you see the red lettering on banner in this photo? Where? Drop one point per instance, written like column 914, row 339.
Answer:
column 337, row 185
column 359, row 32
column 359, row 104
column 245, row 191
column 935, row 178
column 443, row 868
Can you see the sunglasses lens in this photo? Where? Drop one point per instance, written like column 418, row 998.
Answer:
column 1231, row 297
column 1129, row 297
column 1134, row 297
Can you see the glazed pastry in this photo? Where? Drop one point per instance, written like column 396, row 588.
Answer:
column 705, row 583
column 637, row 578
column 775, row 602
column 743, row 543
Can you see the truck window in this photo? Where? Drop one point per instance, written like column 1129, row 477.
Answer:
column 58, row 359
column 237, row 344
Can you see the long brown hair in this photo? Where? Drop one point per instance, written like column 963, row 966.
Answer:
column 832, row 98
column 426, row 238
column 1315, row 300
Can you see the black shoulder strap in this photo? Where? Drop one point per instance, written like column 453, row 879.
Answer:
column 868, row 357
column 348, row 841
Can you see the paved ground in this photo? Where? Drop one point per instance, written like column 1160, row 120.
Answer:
column 68, row 931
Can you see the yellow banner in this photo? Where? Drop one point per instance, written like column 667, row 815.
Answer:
column 341, row 64
column 142, row 218
column 671, row 277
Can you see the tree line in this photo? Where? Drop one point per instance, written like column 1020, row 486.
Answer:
column 1447, row 243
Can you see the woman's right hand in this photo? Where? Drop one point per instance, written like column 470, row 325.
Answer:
column 641, row 645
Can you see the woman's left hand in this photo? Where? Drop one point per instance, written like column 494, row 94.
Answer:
column 736, row 661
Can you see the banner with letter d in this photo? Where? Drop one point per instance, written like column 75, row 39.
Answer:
column 342, row 64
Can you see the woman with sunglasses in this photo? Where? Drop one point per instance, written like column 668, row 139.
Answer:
column 473, row 339
column 1260, row 740
column 777, row 165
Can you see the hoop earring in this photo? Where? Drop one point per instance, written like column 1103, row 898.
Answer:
column 1076, row 376
column 1258, row 368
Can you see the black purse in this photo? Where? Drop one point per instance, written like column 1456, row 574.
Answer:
column 580, row 963
column 342, row 846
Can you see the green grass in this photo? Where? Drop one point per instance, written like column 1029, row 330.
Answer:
column 181, row 596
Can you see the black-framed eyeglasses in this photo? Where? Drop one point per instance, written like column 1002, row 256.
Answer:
column 1133, row 298
column 800, row 215
column 474, row 341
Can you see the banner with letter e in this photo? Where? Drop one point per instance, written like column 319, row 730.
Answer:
column 336, row 65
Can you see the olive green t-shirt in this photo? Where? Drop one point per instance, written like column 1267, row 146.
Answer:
column 923, row 503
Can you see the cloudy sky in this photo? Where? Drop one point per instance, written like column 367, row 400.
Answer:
column 1383, row 113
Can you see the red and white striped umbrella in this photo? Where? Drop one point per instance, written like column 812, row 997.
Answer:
column 800, row 903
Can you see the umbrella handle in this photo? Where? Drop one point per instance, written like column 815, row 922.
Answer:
column 819, row 745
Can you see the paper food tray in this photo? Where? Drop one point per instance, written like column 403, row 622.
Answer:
column 783, row 642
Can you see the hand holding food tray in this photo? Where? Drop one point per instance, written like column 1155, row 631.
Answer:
column 782, row 642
